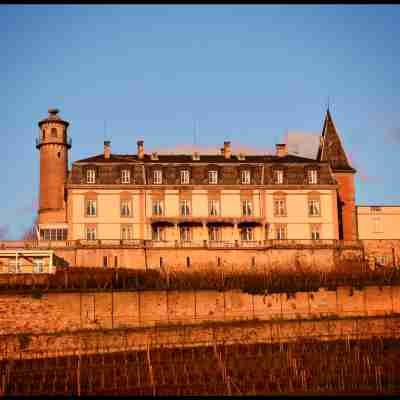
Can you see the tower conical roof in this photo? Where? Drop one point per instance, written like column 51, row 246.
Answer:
column 331, row 148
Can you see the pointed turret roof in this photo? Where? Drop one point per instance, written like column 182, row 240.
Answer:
column 331, row 148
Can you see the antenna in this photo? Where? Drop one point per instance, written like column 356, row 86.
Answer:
column 195, row 133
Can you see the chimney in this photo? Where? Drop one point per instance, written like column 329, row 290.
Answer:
column 227, row 149
column 107, row 149
column 140, row 149
column 281, row 149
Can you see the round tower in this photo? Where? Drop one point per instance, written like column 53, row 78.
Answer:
column 53, row 144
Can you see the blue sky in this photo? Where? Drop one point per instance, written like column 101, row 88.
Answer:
column 246, row 73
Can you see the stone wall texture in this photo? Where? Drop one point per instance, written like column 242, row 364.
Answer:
column 61, row 312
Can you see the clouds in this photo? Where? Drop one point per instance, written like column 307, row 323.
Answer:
column 392, row 136
column 4, row 231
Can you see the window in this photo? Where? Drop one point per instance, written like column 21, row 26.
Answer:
column 14, row 266
column 280, row 207
column 314, row 207
column 213, row 208
column 53, row 132
column 247, row 208
column 185, row 208
column 246, row 233
column 104, row 261
column 312, row 176
column 90, row 176
column 126, row 232
column 185, row 233
column 90, row 233
column 280, row 232
column 383, row 260
column 157, row 233
column 212, row 177
column 38, row 266
column 214, row 233
column 185, row 177
column 245, row 177
column 157, row 207
column 376, row 210
column 278, row 176
column 315, row 232
column 377, row 225
column 125, row 176
column 157, row 177
column 126, row 209
column 53, row 234
column 91, row 208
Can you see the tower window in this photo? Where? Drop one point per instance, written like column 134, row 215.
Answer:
column 58, row 154
column 245, row 177
column 212, row 177
column 185, row 208
column 90, row 233
column 312, row 176
column 247, row 208
column 184, row 177
column 126, row 208
column 246, row 234
column 53, row 132
column 91, row 209
column 314, row 207
column 90, row 176
column 157, row 177
column 125, row 176
column 278, row 176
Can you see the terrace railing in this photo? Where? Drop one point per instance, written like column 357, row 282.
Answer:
column 140, row 243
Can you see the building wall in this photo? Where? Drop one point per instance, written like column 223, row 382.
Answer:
column 58, row 312
column 108, row 220
column 347, row 209
column 378, row 222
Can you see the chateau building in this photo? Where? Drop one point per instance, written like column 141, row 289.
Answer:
column 194, row 197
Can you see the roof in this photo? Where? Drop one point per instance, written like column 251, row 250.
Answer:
column 53, row 117
column 331, row 148
column 184, row 158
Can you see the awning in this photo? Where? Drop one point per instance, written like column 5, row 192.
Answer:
column 249, row 223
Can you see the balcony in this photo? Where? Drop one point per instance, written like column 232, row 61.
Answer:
column 39, row 141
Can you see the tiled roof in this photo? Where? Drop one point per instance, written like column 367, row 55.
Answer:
column 183, row 158
column 332, row 149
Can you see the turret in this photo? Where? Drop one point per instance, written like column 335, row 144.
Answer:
column 331, row 149
column 53, row 144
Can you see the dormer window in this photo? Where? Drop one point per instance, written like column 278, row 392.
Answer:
column 212, row 177
column 312, row 176
column 90, row 176
column 157, row 177
column 278, row 176
column 245, row 177
column 125, row 176
column 185, row 177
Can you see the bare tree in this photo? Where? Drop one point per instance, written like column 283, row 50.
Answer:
column 31, row 232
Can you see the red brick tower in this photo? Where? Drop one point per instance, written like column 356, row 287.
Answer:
column 53, row 144
column 331, row 150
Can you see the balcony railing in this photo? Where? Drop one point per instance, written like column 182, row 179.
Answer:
column 140, row 243
column 39, row 141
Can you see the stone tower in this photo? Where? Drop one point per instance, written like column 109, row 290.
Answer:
column 331, row 149
column 53, row 144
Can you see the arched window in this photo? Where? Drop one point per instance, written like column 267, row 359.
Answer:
column 53, row 132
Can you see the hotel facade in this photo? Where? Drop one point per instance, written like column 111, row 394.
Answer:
column 194, row 197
